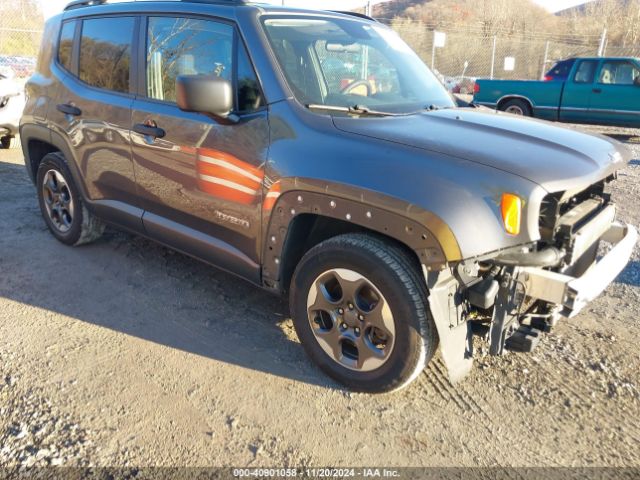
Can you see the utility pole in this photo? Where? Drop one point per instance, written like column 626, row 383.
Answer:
column 367, row 9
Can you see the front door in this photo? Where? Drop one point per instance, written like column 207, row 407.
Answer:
column 616, row 98
column 200, row 179
column 576, row 96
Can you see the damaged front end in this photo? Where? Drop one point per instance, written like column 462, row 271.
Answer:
column 512, row 297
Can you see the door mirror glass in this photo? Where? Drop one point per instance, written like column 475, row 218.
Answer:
column 205, row 94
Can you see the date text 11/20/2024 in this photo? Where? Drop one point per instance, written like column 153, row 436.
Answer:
column 315, row 473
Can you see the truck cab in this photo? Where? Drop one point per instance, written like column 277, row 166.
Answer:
column 596, row 91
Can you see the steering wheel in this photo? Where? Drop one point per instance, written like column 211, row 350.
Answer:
column 356, row 84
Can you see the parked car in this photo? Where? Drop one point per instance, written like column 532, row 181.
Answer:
column 560, row 71
column 12, row 104
column 464, row 85
column 598, row 91
column 22, row 67
column 393, row 220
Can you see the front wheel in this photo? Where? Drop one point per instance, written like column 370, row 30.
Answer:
column 359, row 306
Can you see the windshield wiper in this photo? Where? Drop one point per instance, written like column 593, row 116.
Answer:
column 359, row 110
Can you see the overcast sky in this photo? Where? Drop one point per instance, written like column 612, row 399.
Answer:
column 51, row 7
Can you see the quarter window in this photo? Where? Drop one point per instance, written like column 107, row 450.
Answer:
column 184, row 46
column 249, row 93
column 105, row 53
column 65, row 47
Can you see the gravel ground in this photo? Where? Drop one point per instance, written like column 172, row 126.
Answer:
column 124, row 353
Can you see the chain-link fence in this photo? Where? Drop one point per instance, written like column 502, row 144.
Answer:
column 21, row 24
column 468, row 54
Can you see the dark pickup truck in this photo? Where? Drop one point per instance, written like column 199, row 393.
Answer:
column 603, row 91
column 313, row 153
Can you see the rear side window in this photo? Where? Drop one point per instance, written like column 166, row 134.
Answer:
column 185, row 46
column 561, row 69
column 105, row 53
column 586, row 71
column 65, row 47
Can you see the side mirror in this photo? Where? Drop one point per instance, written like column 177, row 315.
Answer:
column 205, row 94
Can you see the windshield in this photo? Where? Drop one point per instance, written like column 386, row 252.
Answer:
column 343, row 62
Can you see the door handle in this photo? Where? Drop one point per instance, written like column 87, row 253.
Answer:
column 69, row 110
column 597, row 90
column 149, row 131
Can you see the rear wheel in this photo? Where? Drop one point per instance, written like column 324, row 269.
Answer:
column 359, row 306
column 517, row 107
column 61, row 205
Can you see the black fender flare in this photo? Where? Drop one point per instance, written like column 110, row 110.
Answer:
column 421, row 231
column 46, row 134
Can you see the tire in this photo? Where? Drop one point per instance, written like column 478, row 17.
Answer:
column 327, row 318
column 517, row 107
column 9, row 142
column 61, row 205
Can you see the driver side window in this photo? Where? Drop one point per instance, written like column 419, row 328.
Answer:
column 619, row 73
column 185, row 46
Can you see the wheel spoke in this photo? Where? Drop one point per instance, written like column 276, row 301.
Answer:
column 369, row 357
column 48, row 195
column 330, row 341
column 319, row 298
column 350, row 282
column 52, row 181
column 381, row 318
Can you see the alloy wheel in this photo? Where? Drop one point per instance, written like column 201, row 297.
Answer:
column 58, row 201
column 351, row 320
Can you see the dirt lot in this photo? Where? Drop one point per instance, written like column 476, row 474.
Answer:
column 124, row 353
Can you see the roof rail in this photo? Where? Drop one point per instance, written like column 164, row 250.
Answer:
column 356, row 14
column 88, row 3
column 83, row 3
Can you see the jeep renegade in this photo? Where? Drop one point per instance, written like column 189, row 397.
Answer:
column 314, row 153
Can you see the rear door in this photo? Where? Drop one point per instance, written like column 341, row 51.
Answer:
column 576, row 97
column 616, row 97
column 92, row 110
column 200, row 179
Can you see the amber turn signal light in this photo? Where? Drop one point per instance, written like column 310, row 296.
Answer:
column 511, row 207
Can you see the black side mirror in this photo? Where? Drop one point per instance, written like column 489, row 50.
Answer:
column 205, row 94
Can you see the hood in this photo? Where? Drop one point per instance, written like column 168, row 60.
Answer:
column 555, row 157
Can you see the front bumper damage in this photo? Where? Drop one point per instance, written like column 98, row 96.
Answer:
column 573, row 293
column 528, row 297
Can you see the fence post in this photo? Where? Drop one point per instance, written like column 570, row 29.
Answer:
column 433, row 52
column 546, row 59
column 493, row 55
column 603, row 39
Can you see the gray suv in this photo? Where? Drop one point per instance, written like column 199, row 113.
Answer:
column 313, row 153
